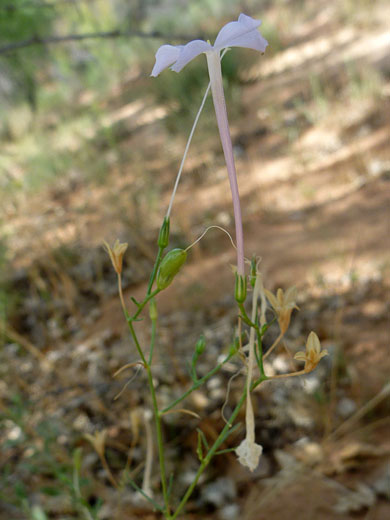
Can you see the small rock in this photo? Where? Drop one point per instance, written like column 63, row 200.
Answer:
column 346, row 407
column 229, row 512
column 355, row 501
column 381, row 484
column 219, row 492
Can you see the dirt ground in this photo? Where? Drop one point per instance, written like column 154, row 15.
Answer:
column 315, row 209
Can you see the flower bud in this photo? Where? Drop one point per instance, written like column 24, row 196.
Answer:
column 163, row 236
column 170, row 266
column 199, row 349
column 200, row 346
column 153, row 310
column 240, row 288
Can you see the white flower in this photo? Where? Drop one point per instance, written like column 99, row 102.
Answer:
column 249, row 454
column 242, row 33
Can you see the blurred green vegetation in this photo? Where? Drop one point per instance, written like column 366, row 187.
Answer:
column 39, row 455
column 53, row 97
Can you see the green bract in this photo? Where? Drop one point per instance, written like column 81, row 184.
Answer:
column 163, row 237
column 170, row 266
column 240, row 288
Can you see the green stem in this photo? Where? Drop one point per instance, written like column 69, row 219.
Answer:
column 152, row 341
column 199, row 383
column 260, row 347
column 245, row 317
column 156, row 412
column 142, row 305
column 154, row 272
column 138, row 346
column 161, row 456
column 205, row 462
column 259, row 336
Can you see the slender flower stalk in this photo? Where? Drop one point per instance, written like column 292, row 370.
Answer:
column 248, row 451
column 242, row 33
column 146, row 483
column 178, row 176
column 214, row 66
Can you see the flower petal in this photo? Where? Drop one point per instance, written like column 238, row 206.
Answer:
column 271, row 298
column 290, row 297
column 233, row 30
column 300, row 356
column 252, row 40
column 165, row 56
column 242, row 33
column 189, row 52
column 313, row 343
column 249, row 453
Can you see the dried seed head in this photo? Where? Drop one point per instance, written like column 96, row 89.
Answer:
column 313, row 353
column 283, row 305
column 116, row 254
column 98, row 441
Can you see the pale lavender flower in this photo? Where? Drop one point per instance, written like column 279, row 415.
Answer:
column 242, row 33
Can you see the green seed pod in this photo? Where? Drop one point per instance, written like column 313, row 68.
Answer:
column 170, row 266
column 200, row 346
column 163, row 236
column 240, row 288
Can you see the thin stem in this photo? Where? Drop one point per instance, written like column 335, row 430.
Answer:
column 210, row 454
column 214, row 66
column 199, row 383
column 120, row 290
column 255, row 326
column 261, row 356
column 148, row 498
column 370, row 405
column 291, row 374
column 186, row 151
column 154, row 272
column 108, row 470
column 149, row 454
column 115, row 33
column 249, row 416
column 77, row 490
column 152, row 341
column 244, row 316
column 142, row 305
column 138, row 346
column 274, row 344
column 160, row 444
column 156, row 415
column 205, row 231
column 178, row 176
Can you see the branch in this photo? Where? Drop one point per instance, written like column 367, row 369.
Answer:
column 41, row 4
column 116, row 33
